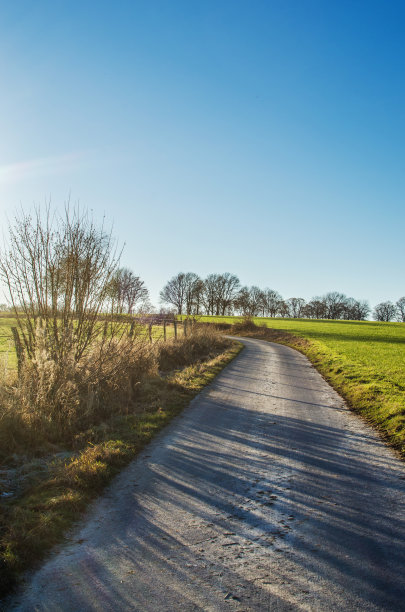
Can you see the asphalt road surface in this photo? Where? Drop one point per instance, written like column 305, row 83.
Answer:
column 267, row 493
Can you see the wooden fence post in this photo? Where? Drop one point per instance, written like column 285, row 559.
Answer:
column 164, row 329
column 105, row 330
column 150, row 332
column 175, row 328
column 18, row 348
column 185, row 327
column 131, row 329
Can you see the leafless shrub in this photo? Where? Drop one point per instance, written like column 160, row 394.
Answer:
column 75, row 365
column 204, row 342
column 246, row 324
column 55, row 399
column 57, row 270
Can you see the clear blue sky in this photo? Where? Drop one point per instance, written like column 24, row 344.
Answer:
column 264, row 138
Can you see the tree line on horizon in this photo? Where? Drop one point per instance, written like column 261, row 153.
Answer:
column 223, row 294
column 77, row 277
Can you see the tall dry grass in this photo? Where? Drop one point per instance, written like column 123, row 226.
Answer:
column 204, row 342
column 51, row 401
column 54, row 399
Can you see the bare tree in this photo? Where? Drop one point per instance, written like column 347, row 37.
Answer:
column 335, row 303
column 127, row 291
column 228, row 285
column 192, row 287
column 295, row 307
column 257, row 300
column 363, row 310
column 174, row 292
column 249, row 301
column 271, row 302
column 198, row 296
column 57, row 270
column 283, row 309
column 385, row 311
column 316, row 309
column 401, row 309
column 184, row 292
column 242, row 301
column 355, row 310
column 209, row 294
column 220, row 291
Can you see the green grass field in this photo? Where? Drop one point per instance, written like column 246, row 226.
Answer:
column 363, row 360
column 8, row 359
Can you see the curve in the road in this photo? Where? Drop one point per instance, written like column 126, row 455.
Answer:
column 266, row 494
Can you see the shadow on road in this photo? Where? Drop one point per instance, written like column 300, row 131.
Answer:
column 316, row 497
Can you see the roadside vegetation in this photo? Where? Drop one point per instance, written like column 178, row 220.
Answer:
column 84, row 386
column 88, row 375
column 363, row 360
column 47, row 483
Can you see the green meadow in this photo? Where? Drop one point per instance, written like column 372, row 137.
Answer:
column 8, row 359
column 363, row 360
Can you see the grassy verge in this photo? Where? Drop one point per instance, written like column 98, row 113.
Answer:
column 38, row 518
column 363, row 360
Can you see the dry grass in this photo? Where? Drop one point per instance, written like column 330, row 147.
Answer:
column 53, row 400
column 247, row 327
column 203, row 343
column 98, row 443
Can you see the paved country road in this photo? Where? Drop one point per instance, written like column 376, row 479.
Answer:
column 267, row 493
